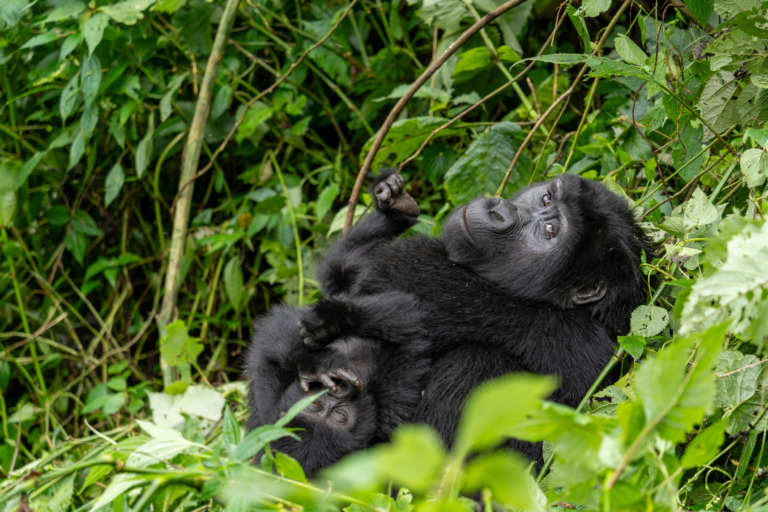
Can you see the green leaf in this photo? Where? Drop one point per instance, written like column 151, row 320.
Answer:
column 40, row 40
column 221, row 101
column 165, row 102
column 633, row 345
column 754, row 165
column 675, row 394
column 505, row 474
column 68, row 97
column 27, row 168
column 629, row 51
column 65, row 11
column 178, row 347
column 90, row 78
column 83, row 223
column 648, row 321
column 325, row 200
column 257, row 439
column 11, row 11
column 581, row 27
column 128, row 12
column 230, row 428
column 288, row 467
column 480, row 170
column 735, row 291
column 8, row 176
column 496, row 407
column 472, row 61
column 93, row 30
column 76, row 150
column 338, row 220
column 76, row 243
column 113, row 184
column 233, row 283
column 403, row 139
column 701, row 10
column 705, row 446
column 169, row 6
column 717, row 102
column 699, row 211
column 70, row 44
column 144, row 152
column 256, row 114
column 59, row 499
column 593, row 8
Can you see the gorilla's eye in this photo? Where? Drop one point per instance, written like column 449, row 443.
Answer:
column 549, row 230
column 546, row 199
column 315, row 406
column 339, row 416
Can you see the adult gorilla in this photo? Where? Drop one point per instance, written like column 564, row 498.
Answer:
column 540, row 283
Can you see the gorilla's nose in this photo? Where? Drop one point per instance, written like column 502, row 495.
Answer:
column 502, row 214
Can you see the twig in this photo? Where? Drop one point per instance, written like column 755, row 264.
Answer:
column 190, row 159
column 452, row 48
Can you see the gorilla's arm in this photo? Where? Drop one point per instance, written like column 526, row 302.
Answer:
column 392, row 317
column 396, row 211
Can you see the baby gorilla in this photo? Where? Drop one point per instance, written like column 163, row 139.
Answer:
column 373, row 375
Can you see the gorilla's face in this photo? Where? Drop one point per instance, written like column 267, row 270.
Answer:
column 546, row 242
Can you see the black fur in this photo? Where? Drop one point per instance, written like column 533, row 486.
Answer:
column 541, row 283
column 385, row 349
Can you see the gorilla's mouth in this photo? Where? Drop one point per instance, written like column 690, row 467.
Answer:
column 465, row 226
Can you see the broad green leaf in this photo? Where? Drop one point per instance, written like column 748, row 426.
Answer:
column 472, row 61
column 113, row 184
column 505, row 474
column 11, row 11
column 221, row 101
column 699, row 211
column 169, row 409
column 581, row 27
column 59, row 499
column 414, row 457
column 93, row 30
column 39, row 40
column 629, row 51
column 675, row 394
column 233, row 282
column 735, row 291
column 89, row 119
column 701, row 10
column 648, row 320
column 90, row 78
column 68, row 97
column 83, row 223
column 256, row 114
column 338, row 220
column 8, row 176
column 289, row 467
column 481, row 169
column 754, row 165
column 564, row 59
column 169, row 6
column 633, row 345
column 717, row 102
column 705, row 446
column 128, row 12
column 730, row 8
column 70, row 44
column 65, row 11
column 593, row 8
column 494, row 408
column 178, row 347
column 325, row 200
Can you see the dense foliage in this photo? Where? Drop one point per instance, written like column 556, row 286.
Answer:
column 103, row 405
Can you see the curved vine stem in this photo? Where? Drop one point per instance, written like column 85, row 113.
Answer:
column 452, row 48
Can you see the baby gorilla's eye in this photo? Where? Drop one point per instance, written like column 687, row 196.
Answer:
column 315, row 406
column 546, row 199
column 549, row 230
column 339, row 416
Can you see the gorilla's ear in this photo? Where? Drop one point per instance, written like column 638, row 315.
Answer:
column 588, row 293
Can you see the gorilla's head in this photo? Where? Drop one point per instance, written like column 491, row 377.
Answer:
column 570, row 242
column 334, row 425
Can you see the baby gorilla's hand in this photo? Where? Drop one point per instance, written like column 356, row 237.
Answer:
column 342, row 382
column 322, row 323
column 391, row 196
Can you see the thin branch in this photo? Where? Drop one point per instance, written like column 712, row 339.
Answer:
column 452, row 48
column 190, row 159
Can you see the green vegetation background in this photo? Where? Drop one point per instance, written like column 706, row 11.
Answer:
column 117, row 393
